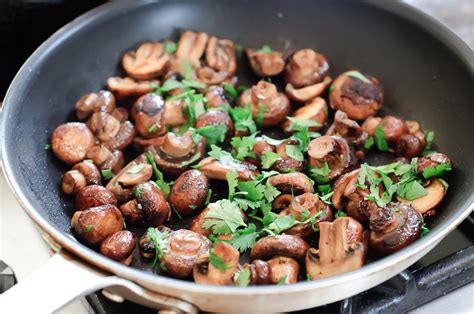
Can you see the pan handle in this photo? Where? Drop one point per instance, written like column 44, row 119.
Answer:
column 65, row 278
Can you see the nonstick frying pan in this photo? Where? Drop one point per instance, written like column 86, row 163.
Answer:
column 427, row 73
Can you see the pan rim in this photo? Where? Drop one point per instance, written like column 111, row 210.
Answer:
column 439, row 31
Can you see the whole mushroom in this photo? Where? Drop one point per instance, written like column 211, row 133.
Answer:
column 128, row 88
column 148, row 114
column 115, row 135
column 155, row 210
column 284, row 244
column 189, row 192
column 409, row 146
column 205, row 272
column 306, row 67
column 217, row 97
column 95, row 102
column 295, row 183
column 284, row 270
column 217, row 169
column 266, row 63
column 71, row 141
column 358, row 95
column 81, row 174
column 94, row 195
column 119, row 246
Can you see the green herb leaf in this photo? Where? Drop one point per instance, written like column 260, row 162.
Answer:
column 215, row 134
column 138, row 190
column 223, row 217
column 89, row 161
column 188, row 69
column 242, row 146
column 270, row 192
column 268, row 159
column 272, row 141
column 437, row 171
column 242, row 88
column 266, row 49
column 369, row 143
column 208, row 197
column 160, row 181
column 429, row 137
column 232, row 182
column 321, row 174
column 302, row 123
column 170, row 47
column 47, row 146
column 243, row 119
column 107, row 174
column 331, row 88
column 293, row 151
column 245, row 239
column 89, row 228
column 238, row 48
column 282, row 280
column 176, row 212
column 340, row 213
column 136, row 169
column 424, row 230
column 261, row 116
column 160, row 240
column 445, row 184
column 244, row 278
column 380, row 140
column 359, row 76
column 308, row 277
column 217, row 262
column 231, row 90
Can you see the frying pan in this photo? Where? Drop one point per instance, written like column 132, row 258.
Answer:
column 427, row 73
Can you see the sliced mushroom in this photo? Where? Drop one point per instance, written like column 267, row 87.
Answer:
column 341, row 249
column 155, row 210
column 409, row 146
column 266, row 101
column 120, row 113
column 94, row 195
column 148, row 113
column 306, row 67
column 266, row 64
column 284, row 270
column 125, row 88
column 132, row 212
column 72, row 182
column 348, row 129
column 137, row 174
column 282, row 202
column 204, row 272
column 359, row 95
column 315, row 110
column 70, row 142
column 260, row 272
column 148, row 61
column 309, row 205
column 292, row 183
column 191, row 47
column 427, row 204
column 285, row 163
column 182, row 250
column 175, row 154
column 95, row 102
column 309, row 92
column 333, row 151
column 119, row 246
column 217, row 169
column 189, row 192
column 394, row 227
column 220, row 55
column 432, row 160
column 95, row 224
column 284, row 244
column 216, row 117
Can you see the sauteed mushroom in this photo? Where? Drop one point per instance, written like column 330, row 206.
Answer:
column 95, row 102
column 264, row 63
column 106, row 159
column 154, row 208
column 82, row 174
column 306, row 67
column 89, row 171
column 332, row 152
column 348, row 129
column 394, row 227
column 198, row 222
column 217, row 169
column 148, row 61
column 284, row 270
column 148, row 113
column 341, row 249
column 295, row 183
column 285, row 163
column 174, row 154
column 220, row 55
column 309, row 92
column 95, row 224
column 70, row 142
column 189, row 192
column 119, row 246
column 217, row 97
column 260, row 272
column 432, row 160
column 190, row 49
column 426, row 205
column 216, row 117
column 94, row 195
column 316, row 110
column 183, row 249
column 284, row 244
column 370, row 124
column 110, row 131
column 267, row 103
column 125, row 88
column 393, row 128
column 209, row 76
column 282, row 202
column 174, row 112
column 409, row 146
column 359, row 95
column 204, row 272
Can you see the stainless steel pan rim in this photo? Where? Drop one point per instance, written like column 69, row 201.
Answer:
column 66, row 241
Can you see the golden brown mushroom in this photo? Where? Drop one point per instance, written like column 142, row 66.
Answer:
column 115, row 135
column 154, row 208
column 119, row 246
column 95, row 102
column 285, row 163
column 72, row 182
column 174, row 112
column 106, row 159
column 432, row 160
column 284, row 270
column 348, row 129
column 409, row 146
column 306, row 67
column 217, row 97
column 94, row 195
column 189, row 192
column 148, row 114
column 284, row 244
column 295, row 183
column 260, row 272
column 315, row 110
column 309, row 92
column 128, row 88
column 264, row 63
column 220, row 55
column 71, row 141
column 191, row 48
column 426, row 205
column 217, row 169
column 205, row 272
column 148, row 61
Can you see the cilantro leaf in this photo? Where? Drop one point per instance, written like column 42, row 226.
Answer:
column 223, row 217
column 294, row 151
column 232, row 182
column 321, row 174
column 243, row 279
column 437, row 171
column 369, row 143
column 268, row 159
column 243, row 119
column 359, row 76
column 160, row 181
column 380, row 140
column 107, row 174
column 217, row 262
column 231, row 90
column 160, row 241
column 297, row 124
column 424, row 230
column 245, row 239
column 88, row 229
column 282, row 280
column 214, row 134
column 340, row 213
column 260, row 116
column 270, row 192
column 242, row 146
column 266, row 49
column 170, row 47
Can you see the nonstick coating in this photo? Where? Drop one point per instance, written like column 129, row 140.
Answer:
column 426, row 73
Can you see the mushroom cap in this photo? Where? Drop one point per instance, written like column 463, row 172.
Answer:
column 191, row 47
column 155, row 209
column 260, row 272
column 283, row 267
column 148, row 113
column 119, row 245
column 370, row 124
column 393, row 128
column 72, row 182
column 309, row 92
column 306, row 67
column 124, row 88
column 183, row 249
column 266, row 64
column 189, row 192
column 217, row 169
column 316, row 110
column 409, row 146
column 70, row 142
column 292, row 183
column 148, row 61
column 220, row 55
column 197, row 224
column 284, row 244
column 90, row 172
column 94, row 195
column 216, row 116
column 95, row 102
column 204, row 272
column 348, row 129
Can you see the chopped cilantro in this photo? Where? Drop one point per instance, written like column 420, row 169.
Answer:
column 380, row 140
column 89, row 161
column 293, row 151
column 217, row 262
column 244, row 239
column 160, row 181
column 424, row 230
column 214, row 134
column 299, row 123
column 223, row 217
column 260, row 116
column 188, row 69
column 136, row 169
column 268, row 159
column 208, row 197
column 242, row 88
column 231, row 90
column 308, row 277
column 160, row 241
column 170, row 47
column 359, row 76
column 176, row 212
column 331, row 88
column 243, row 279
column 437, row 171
column 47, row 146
column 243, row 119
column 238, row 48
column 138, row 190
column 266, row 49
column 232, row 182
column 282, row 280
column 107, row 174
column 321, row 174
column 340, row 213
column 445, row 184
column 89, row 228
column 242, row 146
column 369, row 143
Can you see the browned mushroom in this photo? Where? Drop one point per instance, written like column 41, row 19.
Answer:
column 94, row 195
column 209, row 76
column 205, row 272
column 217, row 169
column 125, row 88
column 155, row 210
column 284, row 244
column 110, row 131
column 120, row 113
column 198, row 222
column 370, row 124
column 119, row 246
column 217, row 97
column 393, row 128
column 306, row 67
column 432, row 160
column 309, row 92
column 284, row 270
column 132, row 212
column 394, row 227
column 189, row 192
column 95, row 224
column 426, row 205
column 348, row 129
column 89, row 171
column 148, row 61
column 260, row 272
column 267, row 103
column 106, row 159
column 72, row 182
column 215, row 117
column 285, row 163
column 70, row 142
column 304, row 207
column 220, row 55
column 282, row 202
column 95, row 102
column 191, row 47
column 174, row 154
column 341, row 249
column 315, row 110
column 148, row 114
column 409, row 146
column 295, row 183
column 182, row 250
column 264, row 63
column 174, row 112
column 359, row 95
column 332, row 152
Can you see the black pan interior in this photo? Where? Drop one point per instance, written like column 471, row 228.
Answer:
column 424, row 79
